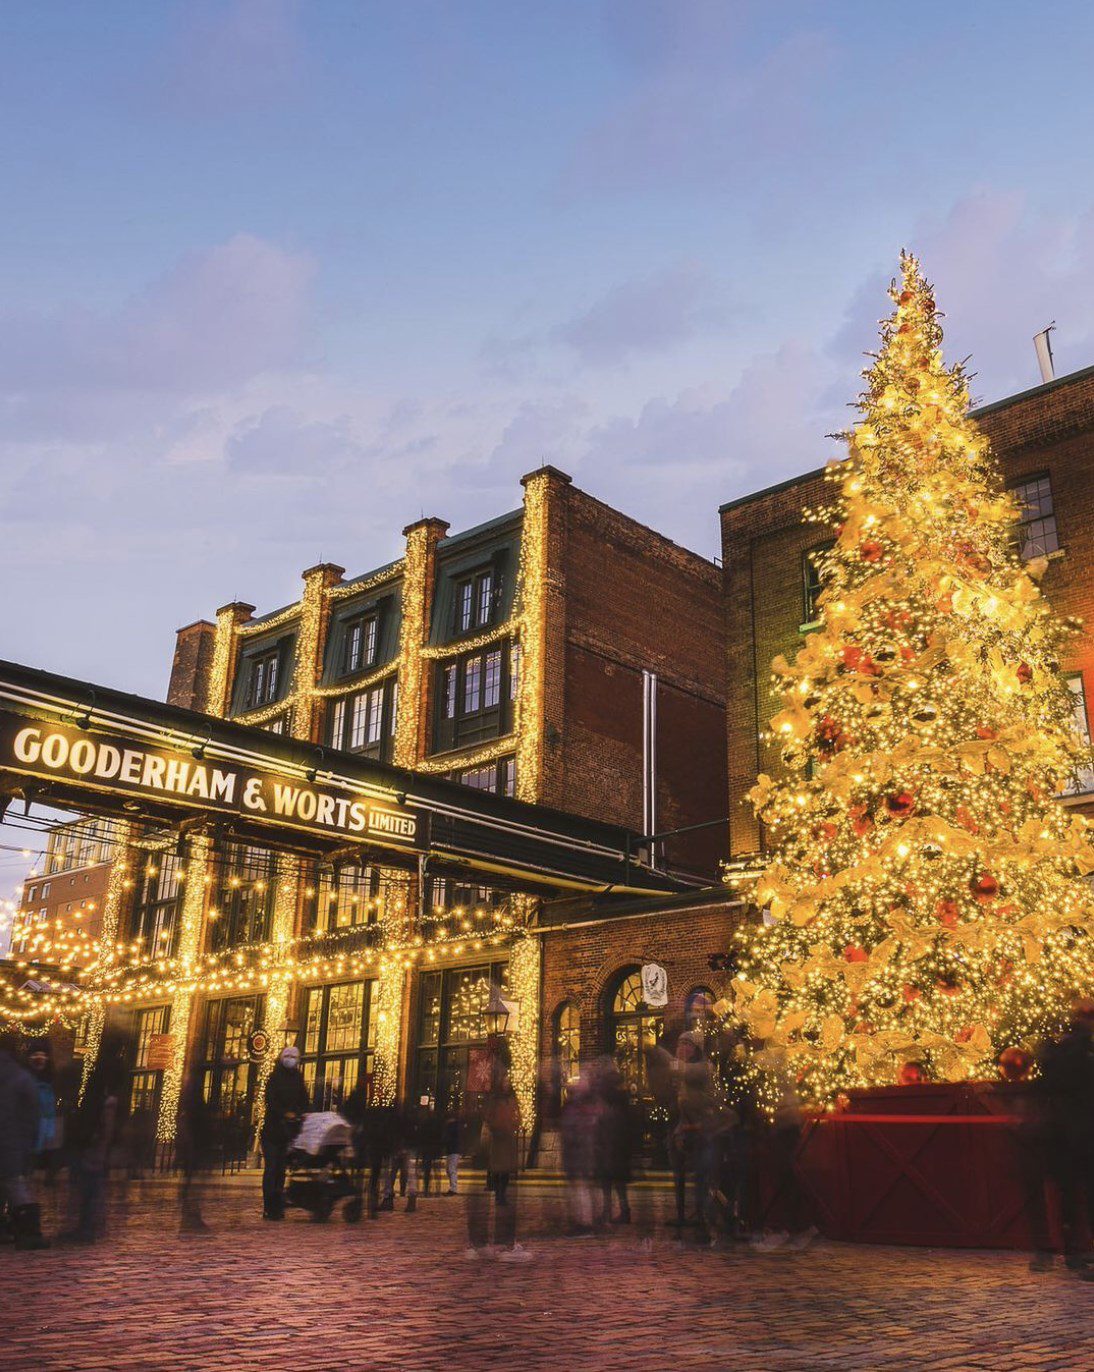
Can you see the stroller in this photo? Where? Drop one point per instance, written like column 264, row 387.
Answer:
column 323, row 1170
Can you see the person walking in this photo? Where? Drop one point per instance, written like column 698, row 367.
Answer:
column 613, row 1141
column 47, row 1146
column 92, row 1134
column 1067, row 1088
column 194, row 1152
column 19, row 1118
column 690, row 1140
column 450, row 1146
column 286, row 1105
column 404, row 1161
column 498, row 1152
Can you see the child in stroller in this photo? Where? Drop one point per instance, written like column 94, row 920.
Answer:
column 322, row 1168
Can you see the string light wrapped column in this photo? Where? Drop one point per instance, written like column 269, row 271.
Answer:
column 191, row 930
column 279, row 980
column 418, row 578
column 389, row 990
column 117, row 884
column 225, row 644
column 524, row 979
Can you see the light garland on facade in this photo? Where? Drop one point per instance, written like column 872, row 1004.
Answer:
column 267, row 624
column 474, row 757
column 256, row 718
column 524, row 977
column 433, row 651
column 191, row 932
column 112, row 905
column 531, row 592
column 389, row 991
column 283, row 927
column 220, row 669
column 343, row 590
column 412, row 634
column 361, row 683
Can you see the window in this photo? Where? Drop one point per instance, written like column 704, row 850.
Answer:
column 339, row 1040
column 45, row 891
column 812, row 582
column 632, row 1030
column 476, row 602
column 1083, row 782
column 474, row 697
column 262, row 683
column 446, row 893
column 146, row 1081
column 567, row 1045
column 365, row 722
column 31, row 894
column 242, row 897
column 451, row 1027
column 227, row 1072
column 497, row 777
column 1037, row 535
column 362, row 636
column 346, row 898
column 281, row 725
column 155, row 910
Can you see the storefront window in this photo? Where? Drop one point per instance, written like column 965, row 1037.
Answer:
column 146, row 1081
column 347, row 898
column 243, row 897
column 567, row 1045
column 339, row 1041
column 633, row 1029
column 451, row 1026
column 228, row 1075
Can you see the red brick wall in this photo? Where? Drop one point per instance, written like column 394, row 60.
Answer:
column 583, row 964
column 634, row 601
column 1050, row 429
column 193, row 658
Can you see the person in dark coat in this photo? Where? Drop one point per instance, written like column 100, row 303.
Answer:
column 194, row 1152
column 19, row 1115
column 286, row 1105
column 1066, row 1089
column 47, row 1146
column 613, row 1140
column 92, row 1133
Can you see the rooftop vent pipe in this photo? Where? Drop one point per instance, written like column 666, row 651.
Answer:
column 1043, row 344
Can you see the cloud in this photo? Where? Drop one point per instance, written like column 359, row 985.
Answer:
column 230, row 55
column 648, row 314
column 280, row 442
column 711, row 93
column 217, row 319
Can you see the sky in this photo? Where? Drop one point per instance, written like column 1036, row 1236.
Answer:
column 280, row 278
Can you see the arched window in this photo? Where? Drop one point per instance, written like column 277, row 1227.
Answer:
column 633, row 1028
column 567, row 1045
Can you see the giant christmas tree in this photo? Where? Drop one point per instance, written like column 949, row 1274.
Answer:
column 925, row 897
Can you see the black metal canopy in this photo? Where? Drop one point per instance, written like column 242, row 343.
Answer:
column 74, row 745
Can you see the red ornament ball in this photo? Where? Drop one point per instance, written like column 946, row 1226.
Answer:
column 912, row 1074
column 853, row 953
column 948, row 912
column 984, row 887
column 870, row 550
column 1024, row 673
column 1015, row 1064
column 900, row 804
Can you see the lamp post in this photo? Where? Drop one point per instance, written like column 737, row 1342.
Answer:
column 496, row 1015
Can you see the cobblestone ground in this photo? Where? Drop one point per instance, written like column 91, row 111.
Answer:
column 397, row 1293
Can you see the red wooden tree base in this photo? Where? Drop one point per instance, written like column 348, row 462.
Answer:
column 937, row 1165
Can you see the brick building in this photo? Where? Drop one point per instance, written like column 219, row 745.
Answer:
column 1044, row 441
column 562, row 654
column 62, row 898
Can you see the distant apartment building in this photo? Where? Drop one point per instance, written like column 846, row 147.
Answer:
column 67, row 887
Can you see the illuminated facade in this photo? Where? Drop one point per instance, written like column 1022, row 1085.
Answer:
column 540, row 655
column 62, row 899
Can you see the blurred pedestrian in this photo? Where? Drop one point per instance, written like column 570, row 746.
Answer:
column 578, row 1130
column 403, row 1166
column 19, row 1118
column 692, row 1131
column 194, row 1150
column 451, row 1147
column 429, row 1143
column 47, row 1147
column 613, row 1141
column 92, row 1135
column 497, row 1151
column 789, row 1203
column 286, row 1105
column 1067, row 1085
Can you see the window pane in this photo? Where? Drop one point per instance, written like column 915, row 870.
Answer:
column 338, row 724
column 353, row 647
column 375, row 713
column 1037, row 534
column 312, row 1020
column 514, row 669
column 508, row 776
column 358, row 720
column 491, row 692
column 466, row 605
column 345, row 1017
column 370, row 641
column 472, row 685
column 486, row 596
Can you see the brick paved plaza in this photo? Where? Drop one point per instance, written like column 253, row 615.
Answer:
column 397, row 1293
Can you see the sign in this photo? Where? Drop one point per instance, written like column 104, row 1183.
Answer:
column 126, row 766
column 479, row 1074
column 258, row 1043
column 655, row 985
column 160, row 1052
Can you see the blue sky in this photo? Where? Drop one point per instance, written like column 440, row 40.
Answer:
column 278, row 278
